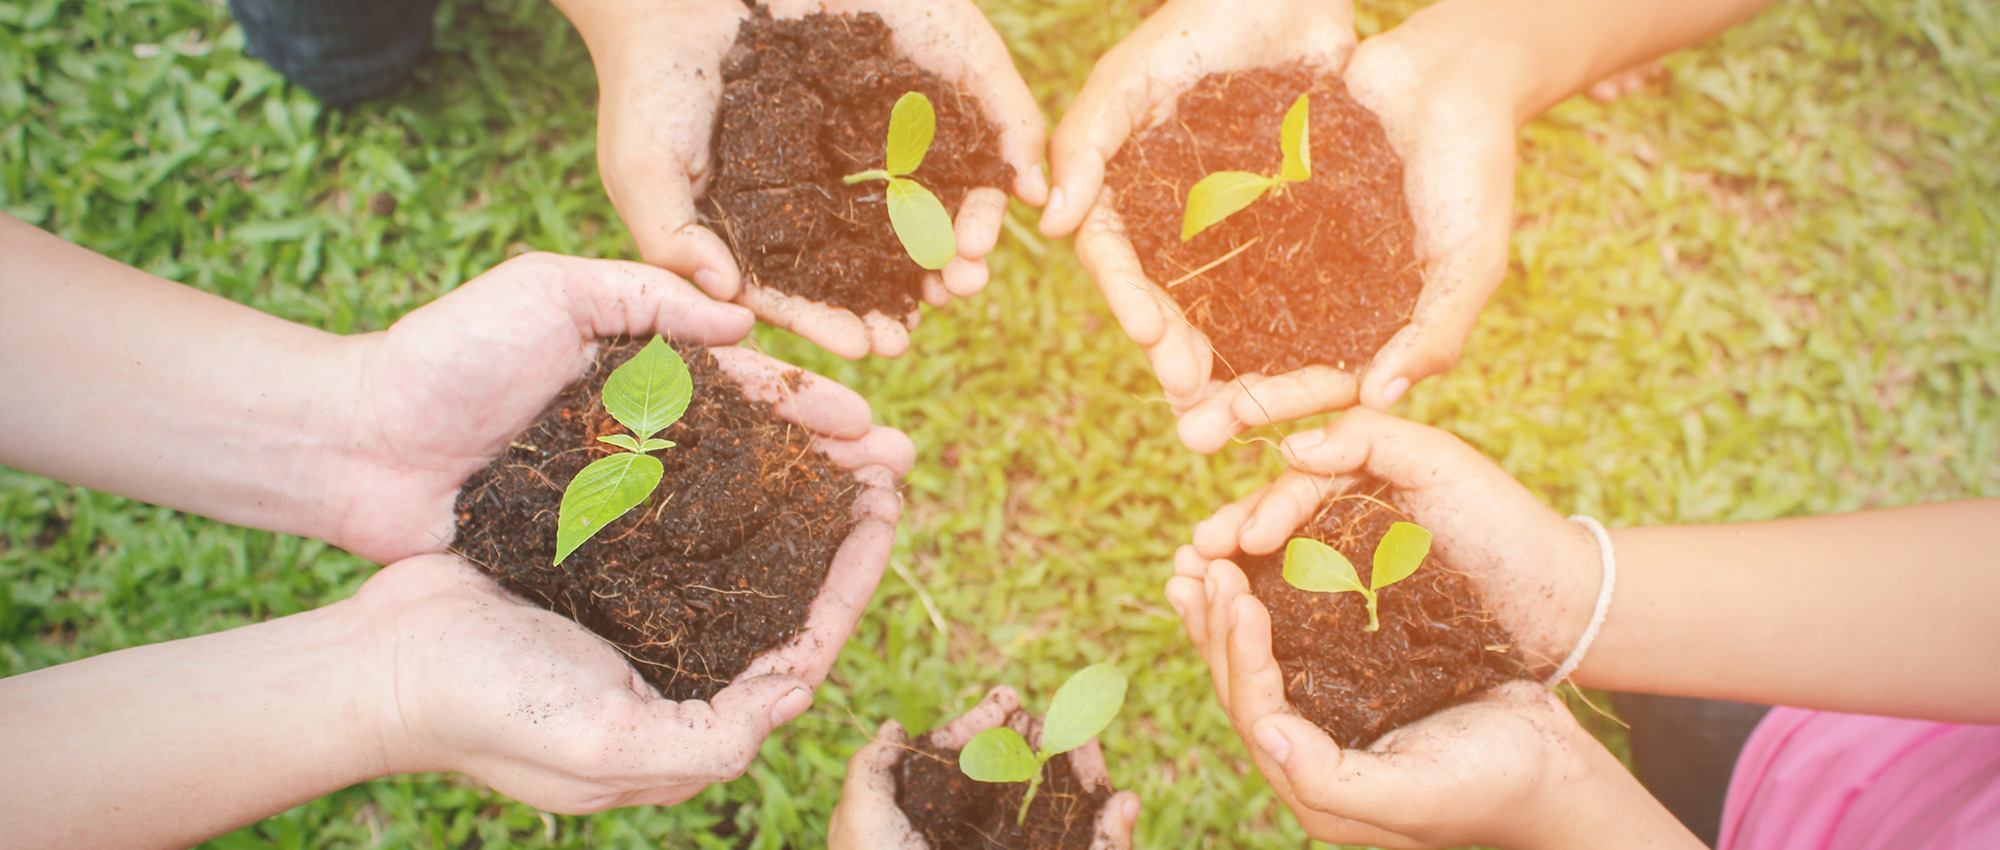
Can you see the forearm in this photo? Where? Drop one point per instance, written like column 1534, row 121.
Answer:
column 117, row 380
column 1880, row 612
column 170, row 744
column 1551, row 49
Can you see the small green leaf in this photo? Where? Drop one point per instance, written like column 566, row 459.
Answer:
column 912, row 124
column 999, row 754
column 1399, row 554
column 1219, row 196
column 602, row 493
column 922, row 224
column 1082, row 707
column 650, row 391
column 623, row 441
column 1296, row 139
column 1316, row 567
column 654, row 444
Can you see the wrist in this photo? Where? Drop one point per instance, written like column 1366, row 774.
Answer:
column 1504, row 47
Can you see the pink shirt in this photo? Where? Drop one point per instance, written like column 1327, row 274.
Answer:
column 1817, row 780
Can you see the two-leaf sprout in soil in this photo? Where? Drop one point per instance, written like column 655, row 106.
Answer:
column 1082, row 707
column 918, row 216
column 646, row 394
column 1224, row 193
column 1316, row 567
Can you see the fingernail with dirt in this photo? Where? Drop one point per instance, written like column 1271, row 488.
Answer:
column 790, row 706
column 1274, row 743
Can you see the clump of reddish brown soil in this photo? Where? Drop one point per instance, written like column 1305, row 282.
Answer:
column 955, row 812
column 806, row 102
column 1437, row 648
column 1327, row 271
column 720, row 564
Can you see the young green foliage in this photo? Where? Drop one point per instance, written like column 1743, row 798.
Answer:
column 1318, row 568
column 1224, row 193
column 918, row 216
column 646, row 394
column 1082, row 707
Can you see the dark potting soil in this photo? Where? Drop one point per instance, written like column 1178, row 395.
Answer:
column 1437, row 648
column 806, row 102
column 720, row 564
column 1327, row 271
column 955, row 812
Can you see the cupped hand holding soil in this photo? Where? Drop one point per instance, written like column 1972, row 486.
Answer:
column 868, row 816
column 1447, row 108
column 661, row 79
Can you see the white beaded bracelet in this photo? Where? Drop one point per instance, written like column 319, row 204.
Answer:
column 1610, row 562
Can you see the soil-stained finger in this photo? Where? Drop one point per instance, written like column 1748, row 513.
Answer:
column 1185, row 595
column 977, row 226
column 882, row 446
column 1209, row 426
column 965, row 278
column 1296, row 395
column 1087, row 762
column 1286, row 505
column 1217, row 536
column 888, row 337
column 831, row 328
column 1115, row 822
column 816, row 403
column 1106, row 255
column 990, row 712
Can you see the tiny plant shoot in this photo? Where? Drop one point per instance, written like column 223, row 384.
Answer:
column 646, row 394
column 1316, row 567
column 1224, row 193
column 918, row 216
column 1082, row 707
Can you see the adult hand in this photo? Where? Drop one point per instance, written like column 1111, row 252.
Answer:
column 660, row 80
column 476, row 680
column 441, row 392
column 1537, row 571
column 867, row 817
column 1512, row 769
column 1448, row 115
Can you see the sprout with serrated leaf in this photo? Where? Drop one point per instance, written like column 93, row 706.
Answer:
column 646, row 394
column 1224, row 193
column 1316, row 567
column 918, row 216
column 1082, row 707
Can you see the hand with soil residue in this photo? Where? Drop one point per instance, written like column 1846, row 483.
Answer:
column 660, row 80
column 440, row 394
column 1513, row 769
column 868, row 818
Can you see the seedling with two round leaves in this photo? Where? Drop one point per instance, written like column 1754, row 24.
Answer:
column 645, row 394
column 1082, row 707
column 1225, row 193
column 1316, row 567
column 918, row 216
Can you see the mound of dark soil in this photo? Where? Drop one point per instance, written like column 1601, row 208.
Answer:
column 954, row 812
column 722, row 563
column 1438, row 647
column 806, row 102
column 1327, row 271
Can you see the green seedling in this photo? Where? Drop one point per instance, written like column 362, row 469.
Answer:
column 1082, row 707
column 1316, row 567
column 1224, row 193
column 918, row 216
column 646, row 394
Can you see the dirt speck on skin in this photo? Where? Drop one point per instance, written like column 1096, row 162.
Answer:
column 1327, row 271
column 805, row 103
column 721, row 564
column 1438, row 646
column 955, row 812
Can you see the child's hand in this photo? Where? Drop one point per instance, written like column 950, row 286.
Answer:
column 1512, row 769
column 440, row 393
column 470, row 678
column 660, row 76
column 1538, row 572
column 867, row 817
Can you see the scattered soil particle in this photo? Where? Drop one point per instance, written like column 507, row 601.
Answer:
column 954, row 812
column 1327, row 271
column 806, row 102
column 722, row 563
column 1437, row 647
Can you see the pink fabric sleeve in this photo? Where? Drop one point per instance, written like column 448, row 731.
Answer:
column 1815, row 780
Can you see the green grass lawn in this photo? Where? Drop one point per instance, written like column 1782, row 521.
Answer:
column 1770, row 288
